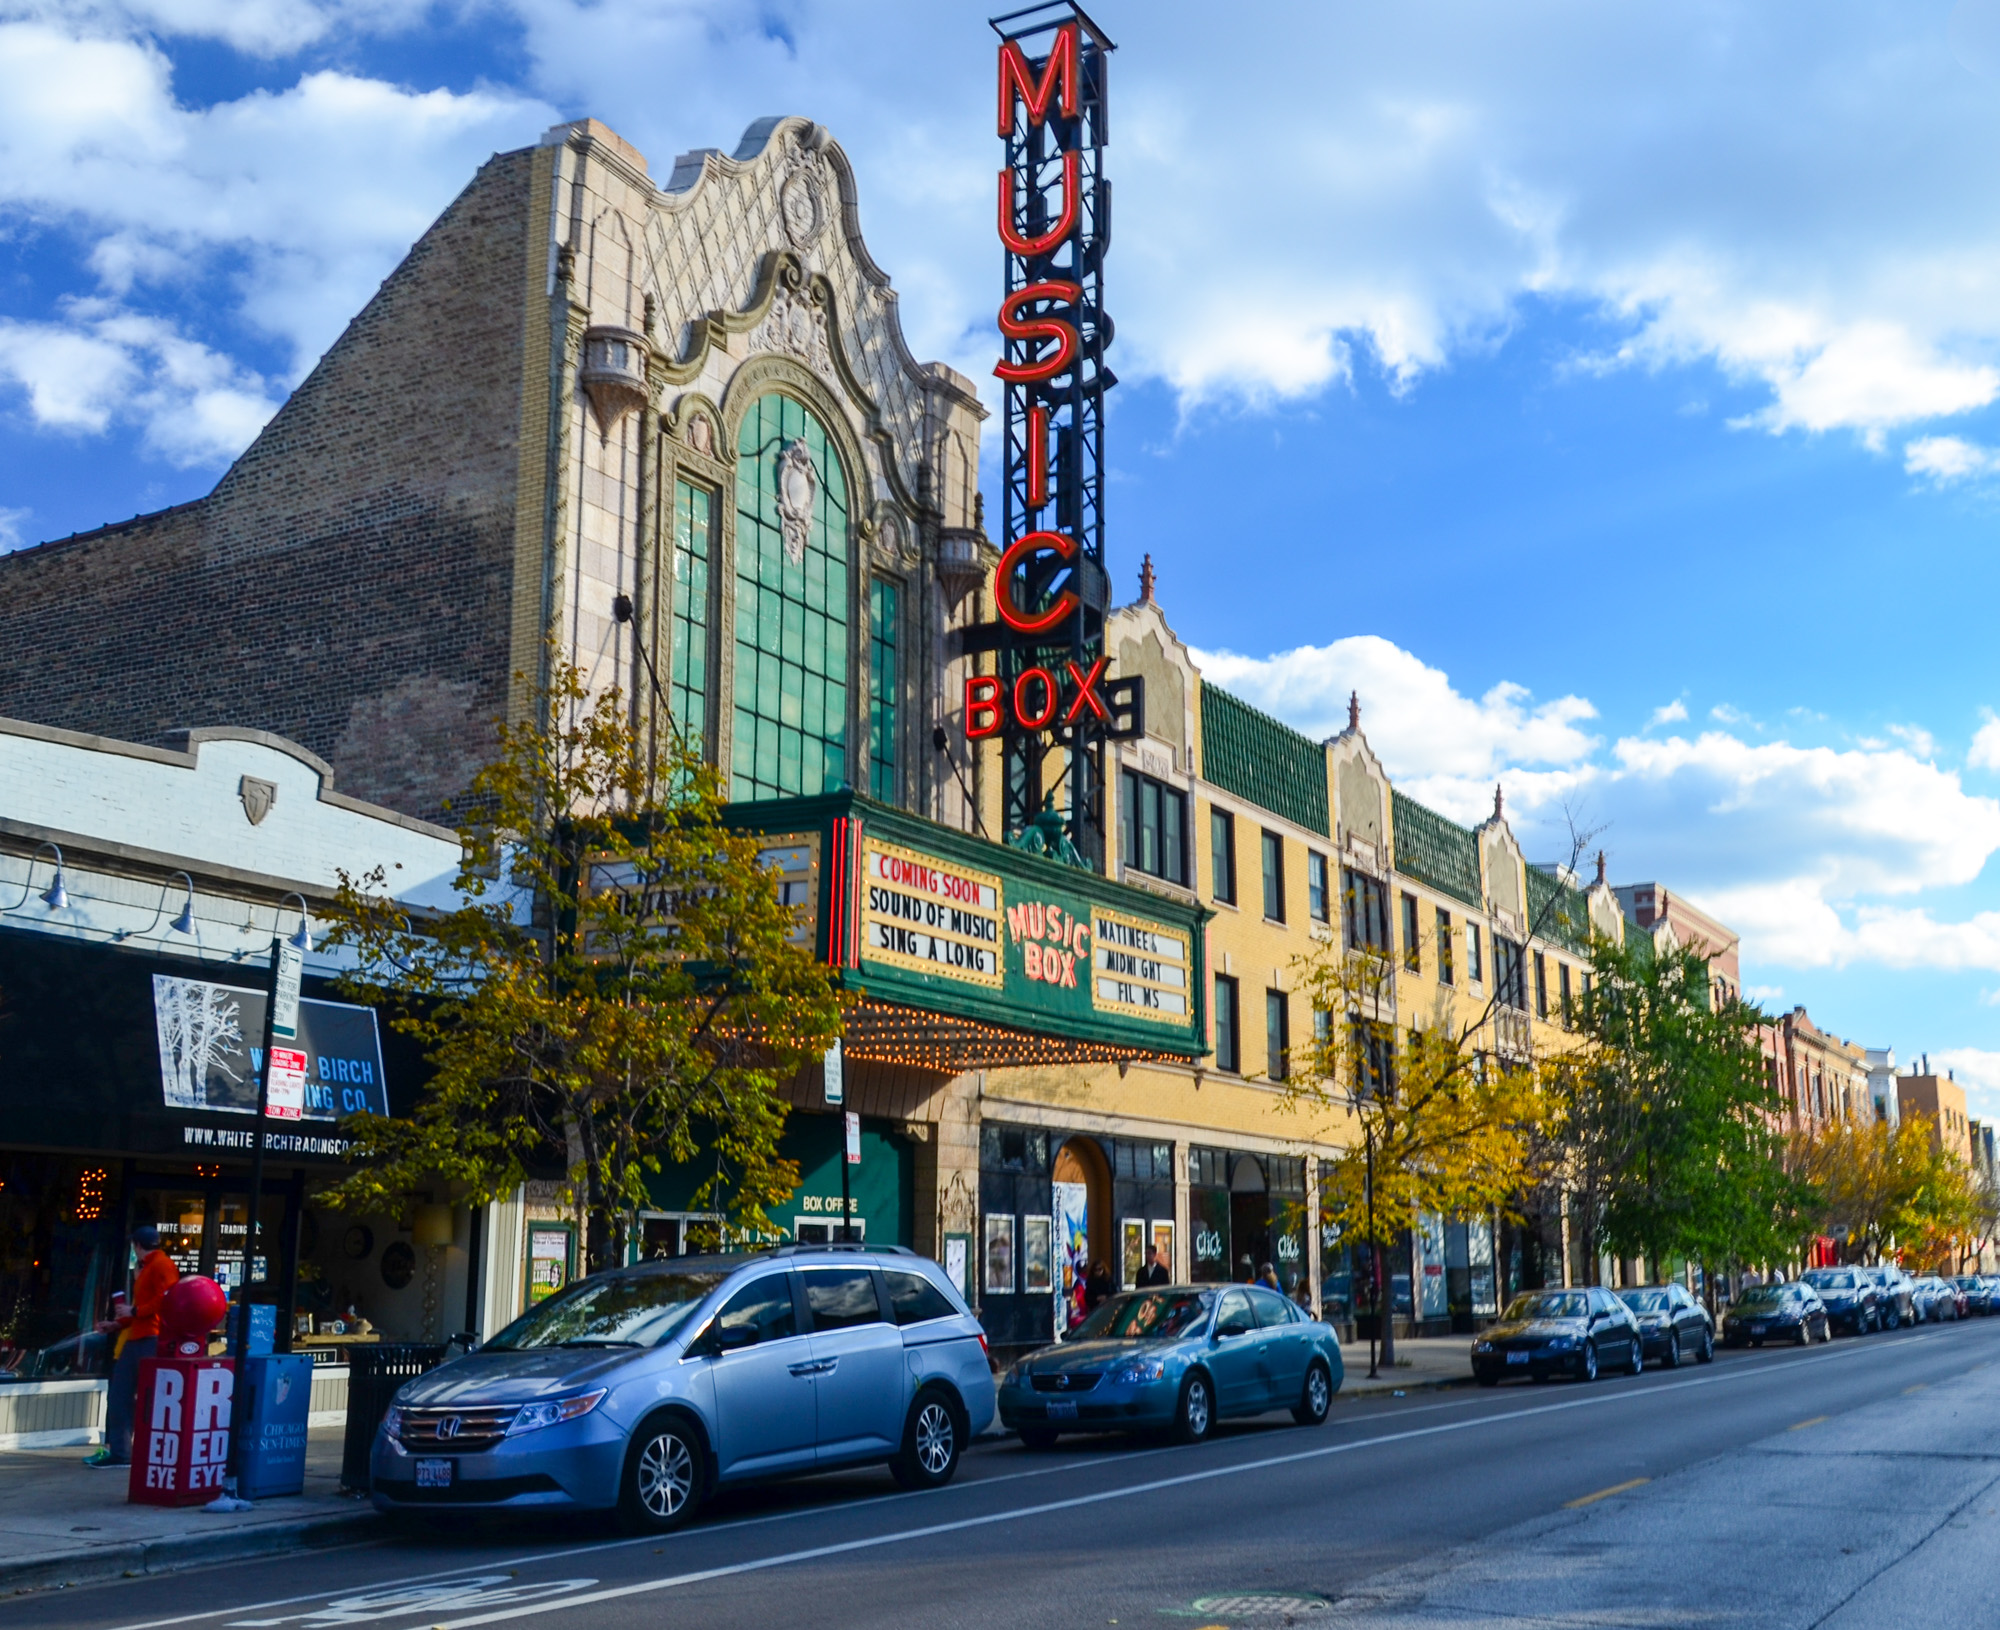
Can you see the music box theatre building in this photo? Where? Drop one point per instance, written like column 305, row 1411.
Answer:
column 585, row 386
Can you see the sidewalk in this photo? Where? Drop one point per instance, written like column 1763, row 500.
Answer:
column 64, row 1524
column 1422, row 1362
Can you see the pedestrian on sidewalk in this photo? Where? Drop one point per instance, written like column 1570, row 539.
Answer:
column 1267, row 1276
column 1155, row 1271
column 138, row 1339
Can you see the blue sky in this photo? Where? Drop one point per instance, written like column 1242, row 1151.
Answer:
column 1610, row 395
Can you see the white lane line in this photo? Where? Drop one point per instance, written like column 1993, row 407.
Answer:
column 961, row 1525
column 706, row 1531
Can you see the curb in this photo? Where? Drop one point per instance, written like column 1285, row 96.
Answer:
column 140, row 1557
column 1386, row 1388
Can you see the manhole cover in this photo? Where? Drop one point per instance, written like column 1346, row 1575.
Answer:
column 1260, row 1604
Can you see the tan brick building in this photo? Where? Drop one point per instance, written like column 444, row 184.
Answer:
column 1941, row 1101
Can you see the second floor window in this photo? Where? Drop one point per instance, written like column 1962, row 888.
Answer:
column 1447, row 971
column 1374, row 1060
column 1541, row 987
column 1510, row 974
column 1475, row 964
column 1364, row 910
column 1277, row 1034
column 1562, row 981
column 1413, row 949
column 1319, row 897
column 1228, row 1033
column 1151, row 832
column 1274, row 877
column 1222, row 855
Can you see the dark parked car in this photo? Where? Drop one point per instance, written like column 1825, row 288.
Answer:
column 1935, row 1300
column 1894, row 1294
column 1764, row 1313
column 1559, row 1332
column 1179, row 1357
column 1673, row 1326
column 1979, row 1292
column 1852, row 1296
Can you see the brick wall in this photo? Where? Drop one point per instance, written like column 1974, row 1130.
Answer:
column 350, row 581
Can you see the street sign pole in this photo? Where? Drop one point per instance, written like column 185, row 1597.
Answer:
column 850, row 1155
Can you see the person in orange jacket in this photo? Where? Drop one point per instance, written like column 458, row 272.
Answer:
column 139, row 1339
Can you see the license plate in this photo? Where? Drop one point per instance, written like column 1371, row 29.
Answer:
column 1756, row 1329
column 1062, row 1409
column 435, row 1474
column 1517, row 1358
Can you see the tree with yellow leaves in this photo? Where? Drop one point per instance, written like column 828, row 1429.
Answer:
column 617, row 988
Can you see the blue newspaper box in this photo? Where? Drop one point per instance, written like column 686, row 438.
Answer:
column 273, row 1404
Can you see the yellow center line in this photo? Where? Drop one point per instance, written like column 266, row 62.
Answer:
column 1800, row 1426
column 1605, row 1494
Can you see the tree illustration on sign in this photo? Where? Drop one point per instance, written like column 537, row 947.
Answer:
column 200, row 1029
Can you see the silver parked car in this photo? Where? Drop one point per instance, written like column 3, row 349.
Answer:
column 642, row 1389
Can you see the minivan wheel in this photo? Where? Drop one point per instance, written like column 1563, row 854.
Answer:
column 662, row 1486
column 931, row 1443
column 1194, row 1415
column 1317, row 1398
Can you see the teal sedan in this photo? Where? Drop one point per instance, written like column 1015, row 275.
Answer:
column 1179, row 1357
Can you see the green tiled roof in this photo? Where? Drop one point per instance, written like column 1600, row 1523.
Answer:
column 1434, row 850
column 1556, row 911
column 1262, row 761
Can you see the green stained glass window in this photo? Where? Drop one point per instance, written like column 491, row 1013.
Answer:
column 791, row 606
column 883, row 678
column 694, row 532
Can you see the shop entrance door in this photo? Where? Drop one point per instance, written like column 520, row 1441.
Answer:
column 1249, row 1219
column 204, row 1224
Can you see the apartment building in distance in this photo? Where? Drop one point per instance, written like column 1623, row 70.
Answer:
column 1941, row 1101
column 1652, row 904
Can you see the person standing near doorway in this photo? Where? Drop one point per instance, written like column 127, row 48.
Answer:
column 139, row 1339
column 1155, row 1271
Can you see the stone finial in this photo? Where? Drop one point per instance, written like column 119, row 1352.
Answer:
column 1146, row 579
column 1354, row 710
column 1499, row 803
column 1601, row 878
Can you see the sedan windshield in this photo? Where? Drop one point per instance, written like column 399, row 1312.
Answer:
column 1644, row 1301
column 1548, row 1304
column 618, row 1310
column 1148, row 1316
column 1762, row 1296
column 1830, row 1279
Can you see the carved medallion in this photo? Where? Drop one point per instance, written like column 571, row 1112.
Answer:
column 798, row 491
column 800, row 209
column 701, row 435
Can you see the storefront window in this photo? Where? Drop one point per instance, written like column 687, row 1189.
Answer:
column 791, row 606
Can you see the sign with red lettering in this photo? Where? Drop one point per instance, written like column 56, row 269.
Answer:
column 1050, row 590
column 285, row 1097
column 920, row 913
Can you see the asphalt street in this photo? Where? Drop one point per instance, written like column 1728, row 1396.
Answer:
column 1855, row 1483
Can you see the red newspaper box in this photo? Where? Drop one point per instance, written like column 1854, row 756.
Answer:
column 180, row 1438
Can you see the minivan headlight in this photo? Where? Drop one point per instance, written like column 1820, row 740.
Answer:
column 392, row 1423
column 554, row 1411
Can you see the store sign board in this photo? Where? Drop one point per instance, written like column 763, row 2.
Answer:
column 929, row 916
column 210, row 1057
column 1142, row 970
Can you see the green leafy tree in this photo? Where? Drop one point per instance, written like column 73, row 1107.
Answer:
column 1666, row 1116
column 618, row 988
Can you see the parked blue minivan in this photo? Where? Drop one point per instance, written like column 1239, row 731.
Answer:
column 643, row 1389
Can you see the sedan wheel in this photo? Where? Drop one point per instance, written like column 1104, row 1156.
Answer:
column 931, row 1440
column 1673, row 1357
column 1707, row 1353
column 1590, row 1360
column 1195, row 1414
column 1317, row 1399
column 1805, row 1332
column 663, row 1474
column 1638, row 1356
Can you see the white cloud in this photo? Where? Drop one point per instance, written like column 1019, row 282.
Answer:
column 1984, row 753
column 1673, row 713
column 11, row 535
column 295, row 204
column 1769, row 997
column 1945, row 461
column 1915, row 737
column 1978, row 1071
column 1723, row 713
column 261, row 28
column 103, row 363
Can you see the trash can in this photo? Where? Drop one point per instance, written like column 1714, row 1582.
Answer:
column 373, row 1375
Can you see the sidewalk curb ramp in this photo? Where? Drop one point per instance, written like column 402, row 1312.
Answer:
column 95, row 1564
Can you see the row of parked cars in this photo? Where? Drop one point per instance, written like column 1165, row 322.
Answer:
column 1587, row 1331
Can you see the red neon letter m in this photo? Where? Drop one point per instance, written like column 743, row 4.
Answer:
column 1017, row 79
